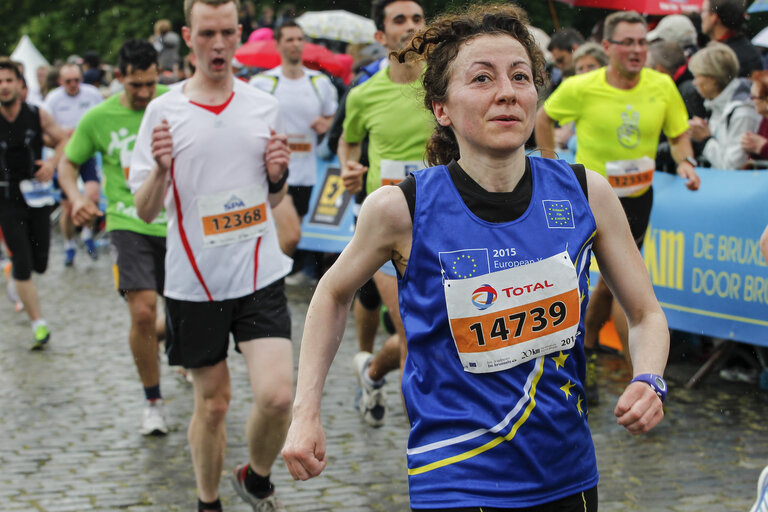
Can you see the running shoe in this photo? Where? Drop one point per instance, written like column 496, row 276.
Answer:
column 153, row 419
column 267, row 504
column 761, row 505
column 42, row 335
column 591, row 388
column 371, row 404
column 69, row 257
column 90, row 244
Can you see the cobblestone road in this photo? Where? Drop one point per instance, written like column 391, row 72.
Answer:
column 69, row 419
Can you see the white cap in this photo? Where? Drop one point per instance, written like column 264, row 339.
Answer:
column 676, row 28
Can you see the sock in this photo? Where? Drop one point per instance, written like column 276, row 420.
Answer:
column 70, row 244
column 153, row 392
column 86, row 233
column 213, row 505
column 258, row 485
column 37, row 323
column 369, row 380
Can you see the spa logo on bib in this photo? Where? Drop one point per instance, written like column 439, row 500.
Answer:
column 233, row 203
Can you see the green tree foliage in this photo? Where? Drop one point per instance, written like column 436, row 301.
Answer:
column 62, row 27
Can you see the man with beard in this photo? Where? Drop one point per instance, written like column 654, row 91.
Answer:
column 25, row 223
column 389, row 109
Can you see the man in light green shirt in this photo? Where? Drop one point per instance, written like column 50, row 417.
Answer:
column 110, row 129
column 389, row 109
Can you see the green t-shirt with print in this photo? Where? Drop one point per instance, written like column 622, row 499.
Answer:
column 394, row 118
column 110, row 129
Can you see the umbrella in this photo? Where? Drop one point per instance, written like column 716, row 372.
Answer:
column 264, row 54
column 758, row 6
column 761, row 39
column 653, row 7
column 338, row 26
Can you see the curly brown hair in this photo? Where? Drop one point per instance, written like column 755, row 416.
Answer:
column 439, row 44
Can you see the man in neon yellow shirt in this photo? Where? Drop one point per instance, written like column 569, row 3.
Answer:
column 620, row 111
column 110, row 128
column 389, row 109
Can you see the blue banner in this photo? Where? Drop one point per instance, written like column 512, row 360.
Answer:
column 702, row 251
column 328, row 225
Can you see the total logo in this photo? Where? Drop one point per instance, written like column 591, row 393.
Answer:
column 484, row 297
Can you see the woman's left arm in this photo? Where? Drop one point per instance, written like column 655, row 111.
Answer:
column 639, row 408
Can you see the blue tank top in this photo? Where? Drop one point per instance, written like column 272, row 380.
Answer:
column 503, row 423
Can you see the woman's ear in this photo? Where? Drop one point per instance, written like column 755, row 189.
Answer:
column 441, row 114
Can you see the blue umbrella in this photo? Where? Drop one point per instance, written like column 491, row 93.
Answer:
column 758, row 6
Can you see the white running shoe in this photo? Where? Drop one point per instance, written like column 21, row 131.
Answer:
column 372, row 403
column 761, row 505
column 153, row 419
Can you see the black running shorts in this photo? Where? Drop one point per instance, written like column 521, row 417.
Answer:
column 638, row 210
column 580, row 502
column 27, row 233
column 300, row 195
column 140, row 261
column 197, row 333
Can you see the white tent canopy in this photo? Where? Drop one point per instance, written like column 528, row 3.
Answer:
column 32, row 59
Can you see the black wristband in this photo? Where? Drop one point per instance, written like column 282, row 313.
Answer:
column 276, row 187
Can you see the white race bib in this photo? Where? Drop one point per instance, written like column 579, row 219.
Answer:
column 37, row 193
column 233, row 216
column 505, row 318
column 299, row 144
column 395, row 171
column 630, row 176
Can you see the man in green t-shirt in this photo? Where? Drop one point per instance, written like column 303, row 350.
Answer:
column 620, row 111
column 110, row 129
column 389, row 109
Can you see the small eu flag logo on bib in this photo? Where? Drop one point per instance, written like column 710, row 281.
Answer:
column 559, row 213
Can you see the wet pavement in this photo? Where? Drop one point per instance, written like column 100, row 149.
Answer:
column 69, row 420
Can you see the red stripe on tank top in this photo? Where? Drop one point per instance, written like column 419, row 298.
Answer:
column 183, row 233
column 256, row 263
column 216, row 109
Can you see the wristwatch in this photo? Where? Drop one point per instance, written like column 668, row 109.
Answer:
column 657, row 383
column 691, row 161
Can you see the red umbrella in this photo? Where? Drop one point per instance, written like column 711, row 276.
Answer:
column 264, row 54
column 652, row 7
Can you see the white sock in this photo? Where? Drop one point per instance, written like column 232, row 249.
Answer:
column 37, row 323
column 86, row 233
column 70, row 244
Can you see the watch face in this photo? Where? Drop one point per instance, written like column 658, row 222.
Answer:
column 660, row 382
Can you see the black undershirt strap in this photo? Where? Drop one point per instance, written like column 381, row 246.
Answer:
column 494, row 207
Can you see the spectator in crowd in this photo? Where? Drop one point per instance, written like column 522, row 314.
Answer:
column 267, row 19
column 562, row 45
column 677, row 28
column 92, row 72
column 715, row 70
column 246, row 15
column 756, row 144
column 167, row 44
column 724, row 21
column 589, row 56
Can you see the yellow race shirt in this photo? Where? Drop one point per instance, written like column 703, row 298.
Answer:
column 617, row 124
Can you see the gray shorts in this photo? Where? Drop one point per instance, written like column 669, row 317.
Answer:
column 139, row 261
